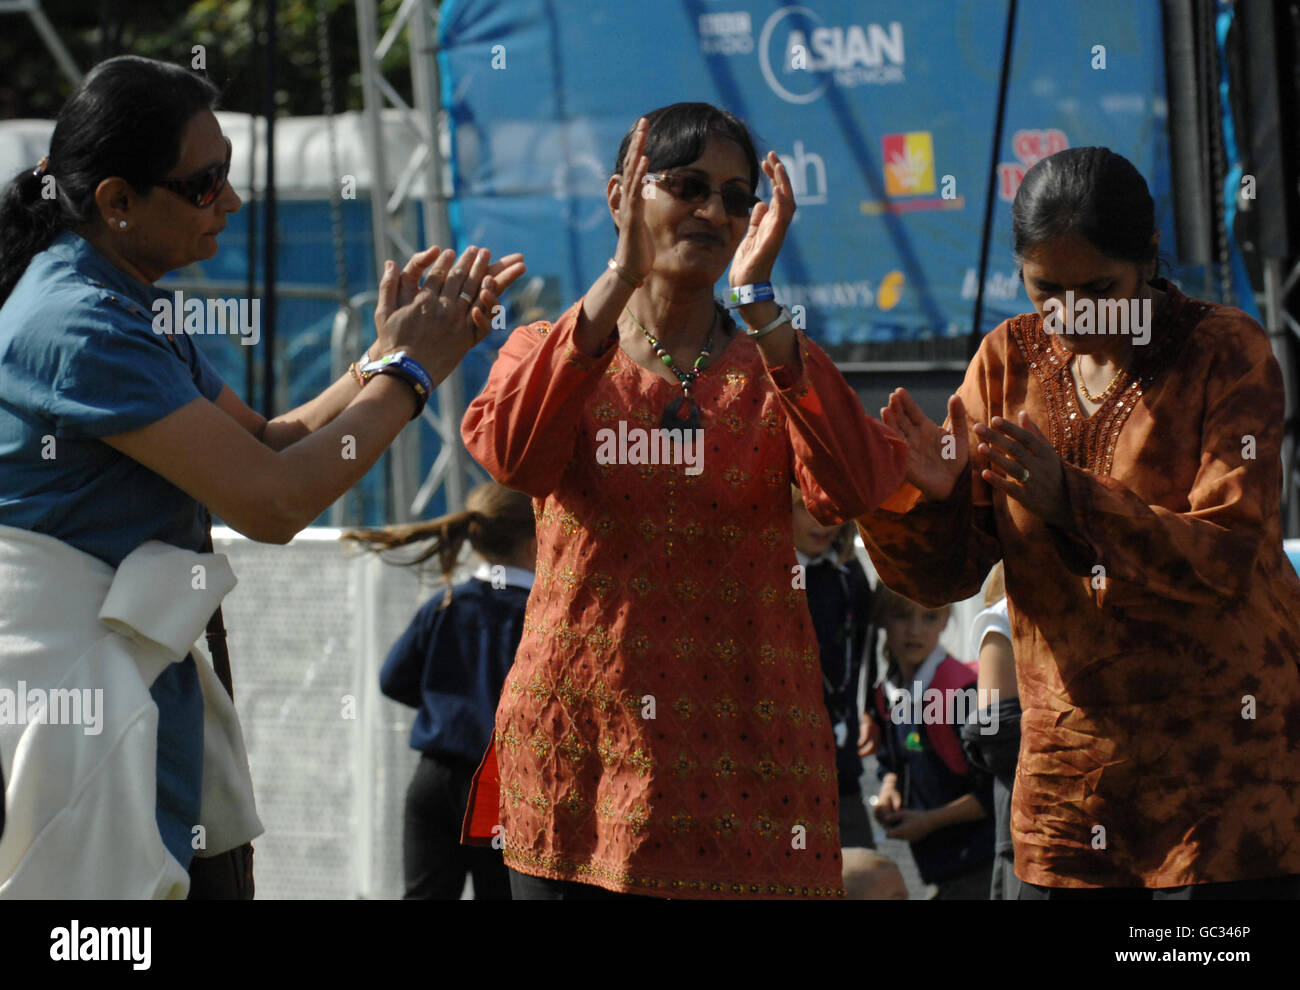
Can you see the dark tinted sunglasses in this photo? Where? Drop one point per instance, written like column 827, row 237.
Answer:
column 690, row 189
column 202, row 189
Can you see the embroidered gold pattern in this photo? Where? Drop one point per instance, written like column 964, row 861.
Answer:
column 725, row 706
column 608, row 752
column 573, row 748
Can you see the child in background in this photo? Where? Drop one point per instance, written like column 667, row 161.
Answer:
column 996, row 753
column 450, row 664
column 929, row 795
column 839, row 600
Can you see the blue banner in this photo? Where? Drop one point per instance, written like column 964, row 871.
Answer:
column 883, row 114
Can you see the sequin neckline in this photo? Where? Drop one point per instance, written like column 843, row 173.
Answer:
column 1088, row 441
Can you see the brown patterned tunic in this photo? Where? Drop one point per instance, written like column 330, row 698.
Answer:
column 1157, row 645
column 663, row 729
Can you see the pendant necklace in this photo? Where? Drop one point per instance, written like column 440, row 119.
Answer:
column 673, row 418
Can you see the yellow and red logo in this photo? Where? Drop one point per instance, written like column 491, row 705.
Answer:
column 909, row 163
column 910, row 181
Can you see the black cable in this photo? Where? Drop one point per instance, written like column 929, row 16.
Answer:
column 973, row 341
column 269, row 240
column 250, row 369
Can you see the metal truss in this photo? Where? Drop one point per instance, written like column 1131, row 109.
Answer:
column 32, row 8
column 1279, row 313
column 390, row 200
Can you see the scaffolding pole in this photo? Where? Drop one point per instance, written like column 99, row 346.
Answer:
column 417, row 20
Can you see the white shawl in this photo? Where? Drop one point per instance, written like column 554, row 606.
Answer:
column 81, row 799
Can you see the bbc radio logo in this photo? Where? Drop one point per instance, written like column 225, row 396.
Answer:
column 912, row 182
column 726, row 33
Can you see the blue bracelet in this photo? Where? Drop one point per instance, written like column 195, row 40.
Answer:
column 743, row 295
column 407, row 369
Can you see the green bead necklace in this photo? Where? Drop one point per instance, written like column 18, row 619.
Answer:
column 672, row 418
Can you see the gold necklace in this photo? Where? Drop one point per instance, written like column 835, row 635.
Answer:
column 1078, row 377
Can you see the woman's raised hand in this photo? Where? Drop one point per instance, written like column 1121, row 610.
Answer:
column 635, row 253
column 768, row 223
column 439, row 321
column 935, row 457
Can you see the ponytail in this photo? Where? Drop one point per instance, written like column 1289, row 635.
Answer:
column 497, row 523
column 30, row 217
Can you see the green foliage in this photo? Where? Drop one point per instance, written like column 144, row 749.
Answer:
column 34, row 86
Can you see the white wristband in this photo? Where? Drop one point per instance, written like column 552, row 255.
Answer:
column 743, row 295
column 782, row 317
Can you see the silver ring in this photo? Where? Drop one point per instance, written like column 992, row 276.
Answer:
column 467, row 297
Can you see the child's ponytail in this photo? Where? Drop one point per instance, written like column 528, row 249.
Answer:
column 497, row 523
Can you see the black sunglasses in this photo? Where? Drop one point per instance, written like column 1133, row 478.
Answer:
column 690, row 189
column 204, row 188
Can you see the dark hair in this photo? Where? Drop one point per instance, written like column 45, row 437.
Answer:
column 1092, row 192
column 125, row 119
column 676, row 136
column 497, row 521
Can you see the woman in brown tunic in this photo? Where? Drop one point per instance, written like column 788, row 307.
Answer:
column 1128, row 473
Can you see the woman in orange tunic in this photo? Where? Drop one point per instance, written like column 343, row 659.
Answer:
column 1130, row 481
column 662, row 731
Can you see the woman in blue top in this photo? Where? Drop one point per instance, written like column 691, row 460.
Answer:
column 112, row 434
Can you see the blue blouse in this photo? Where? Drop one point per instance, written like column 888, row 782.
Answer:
column 79, row 361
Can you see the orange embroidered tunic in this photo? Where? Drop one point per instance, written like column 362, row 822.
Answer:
column 1157, row 643
column 662, row 730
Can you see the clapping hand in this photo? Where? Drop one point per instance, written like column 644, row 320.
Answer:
column 1023, row 465
column 484, row 280
column 635, row 251
column 438, row 321
column 768, row 223
column 936, row 457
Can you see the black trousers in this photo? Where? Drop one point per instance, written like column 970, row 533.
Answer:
column 433, row 860
column 528, row 888
column 1266, row 889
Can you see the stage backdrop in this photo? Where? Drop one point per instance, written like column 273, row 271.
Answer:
column 883, row 114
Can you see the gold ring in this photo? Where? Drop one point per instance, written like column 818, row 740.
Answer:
column 1025, row 476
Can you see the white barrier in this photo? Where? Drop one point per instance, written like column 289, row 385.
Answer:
column 309, row 628
column 308, row 632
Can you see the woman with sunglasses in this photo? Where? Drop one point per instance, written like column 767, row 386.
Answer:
column 662, row 732
column 112, row 434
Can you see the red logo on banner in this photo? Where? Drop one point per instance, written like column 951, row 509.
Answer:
column 1030, row 146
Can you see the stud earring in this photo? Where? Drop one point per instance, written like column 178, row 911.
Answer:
column 121, row 224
